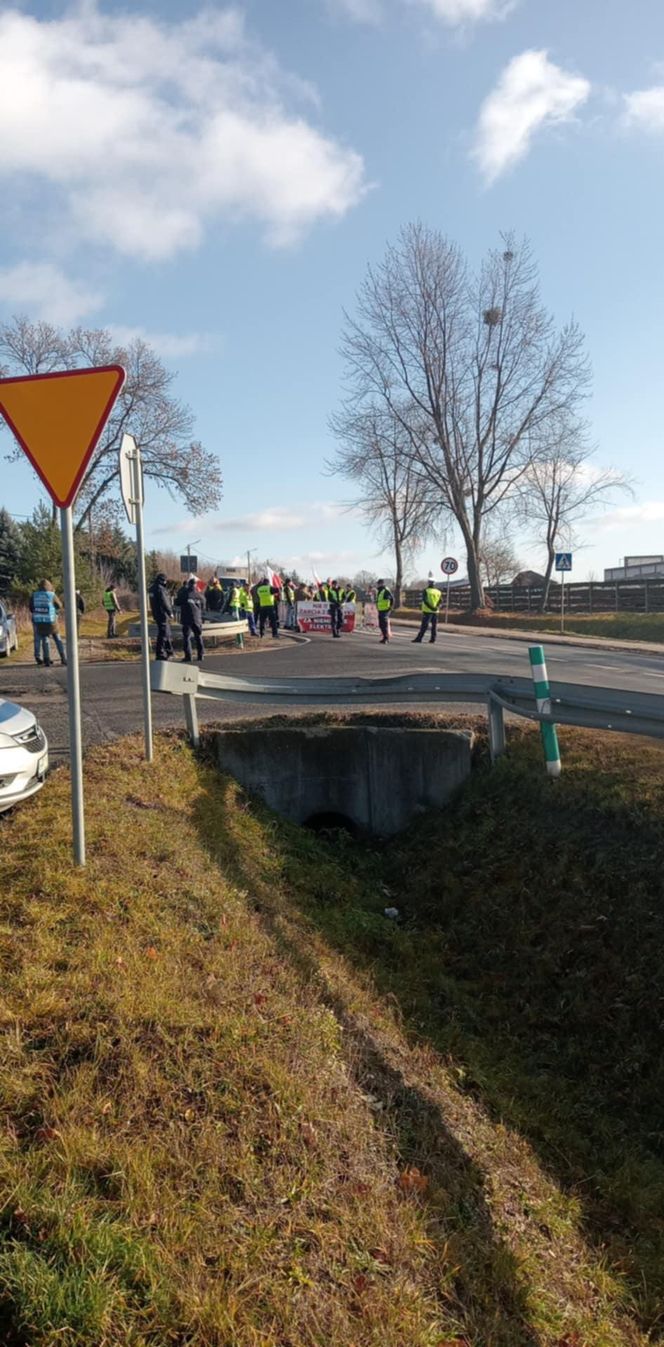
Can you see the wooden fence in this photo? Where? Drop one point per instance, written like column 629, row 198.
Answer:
column 595, row 596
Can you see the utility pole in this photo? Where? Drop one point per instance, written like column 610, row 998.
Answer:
column 189, row 547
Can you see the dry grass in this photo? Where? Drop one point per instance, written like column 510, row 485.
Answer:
column 611, row 626
column 236, row 1116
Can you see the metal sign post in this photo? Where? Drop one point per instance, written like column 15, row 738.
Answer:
column 58, row 419
column 449, row 566
column 131, row 484
column 563, row 564
column 73, row 686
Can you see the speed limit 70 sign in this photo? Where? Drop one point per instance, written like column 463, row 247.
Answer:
column 449, row 565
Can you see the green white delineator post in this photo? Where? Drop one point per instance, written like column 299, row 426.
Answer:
column 543, row 699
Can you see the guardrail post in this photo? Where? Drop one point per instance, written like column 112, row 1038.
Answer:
column 543, row 700
column 496, row 720
column 191, row 718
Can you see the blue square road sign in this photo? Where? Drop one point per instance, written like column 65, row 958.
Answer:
column 563, row 561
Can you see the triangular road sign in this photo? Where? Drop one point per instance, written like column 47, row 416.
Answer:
column 58, row 420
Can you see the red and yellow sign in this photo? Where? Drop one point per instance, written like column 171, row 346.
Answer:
column 58, row 420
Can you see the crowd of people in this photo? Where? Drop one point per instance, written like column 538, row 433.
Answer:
column 257, row 604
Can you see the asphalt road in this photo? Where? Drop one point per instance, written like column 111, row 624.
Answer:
column 111, row 693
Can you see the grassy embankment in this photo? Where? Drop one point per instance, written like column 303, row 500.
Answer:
column 242, row 1109
column 615, row 626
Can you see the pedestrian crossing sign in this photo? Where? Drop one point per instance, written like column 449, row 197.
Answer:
column 563, row 561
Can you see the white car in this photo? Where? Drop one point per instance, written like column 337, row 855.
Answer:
column 23, row 754
column 8, row 632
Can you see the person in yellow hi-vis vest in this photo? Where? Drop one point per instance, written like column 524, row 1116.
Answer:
column 267, row 595
column 247, row 607
column 431, row 600
column 384, row 604
column 111, row 607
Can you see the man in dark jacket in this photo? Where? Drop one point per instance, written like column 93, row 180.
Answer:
column 162, row 612
column 190, row 603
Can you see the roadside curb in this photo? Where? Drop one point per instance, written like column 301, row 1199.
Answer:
column 544, row 637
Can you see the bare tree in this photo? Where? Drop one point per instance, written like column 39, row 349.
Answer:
column 561, row 489
column 365, row 580
column 498, row 559
column 146, row 408
column 471, row 367
column 395, row 498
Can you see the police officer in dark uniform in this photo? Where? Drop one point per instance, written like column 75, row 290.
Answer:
column 190, row 603
column 162, row 611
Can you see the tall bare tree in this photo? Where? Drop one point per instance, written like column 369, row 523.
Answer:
column 497, row 557
column 394, row 497
column 472, row 367
column 146, row 408
column 561, row 489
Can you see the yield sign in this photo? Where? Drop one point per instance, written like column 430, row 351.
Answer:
column 58, row 420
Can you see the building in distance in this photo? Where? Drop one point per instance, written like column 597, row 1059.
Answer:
column 637, row 568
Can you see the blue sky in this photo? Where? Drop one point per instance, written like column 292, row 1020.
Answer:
column 219, row 177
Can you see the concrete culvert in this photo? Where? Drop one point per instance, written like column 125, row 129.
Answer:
column 331, row 823
column 365, row 778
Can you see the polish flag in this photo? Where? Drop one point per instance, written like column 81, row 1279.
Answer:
column 274, row 578
column 317, row 579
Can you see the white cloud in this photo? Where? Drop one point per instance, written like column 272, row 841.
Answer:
column 645, row 109
column 148, row 132
column 44, row 292
column 170, row 345
column 341, row 560
column 275, row 520
column 360, row 11
column 649, row 512
column 459, row 12
column 454, row 13
column 531, row 93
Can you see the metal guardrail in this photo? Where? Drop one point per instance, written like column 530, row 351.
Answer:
column 571, row 704
column 230, row 628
